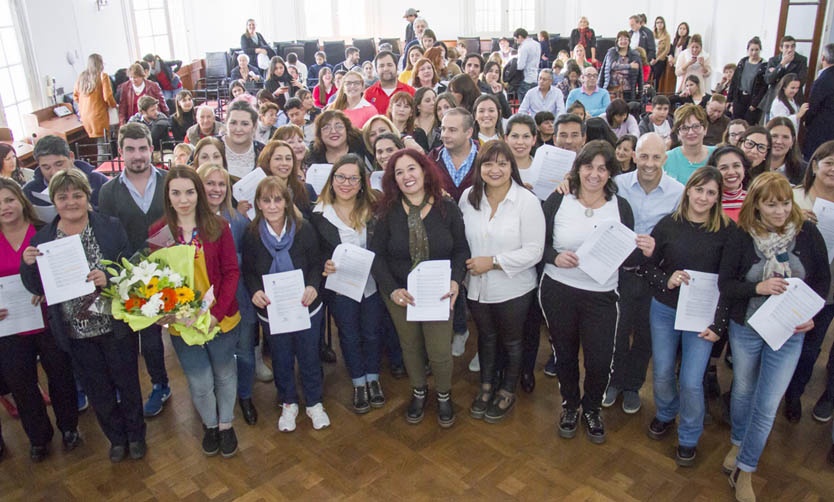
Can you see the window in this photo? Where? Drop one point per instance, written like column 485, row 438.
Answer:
column 521, row 14
column 14, row 87
column 488, row 16
column 327, row 19
column 494, row 17
column 150, row 19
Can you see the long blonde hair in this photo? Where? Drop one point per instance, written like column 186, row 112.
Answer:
column 341, row 101
column 89, row 78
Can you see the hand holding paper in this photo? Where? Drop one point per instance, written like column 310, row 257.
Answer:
column 429, row 284
column 606, row 249
column 784, row 314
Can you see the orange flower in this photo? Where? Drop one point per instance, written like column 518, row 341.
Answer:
column 169, row 299
column 134, row 303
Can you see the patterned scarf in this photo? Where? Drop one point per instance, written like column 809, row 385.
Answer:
column 418, row 241
column 774, row 247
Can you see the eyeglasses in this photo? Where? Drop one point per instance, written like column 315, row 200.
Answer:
column 760, row 147
column 593, row 76
column 350, row 180
column 338, row 127
column 694, row 128
column 352, row 83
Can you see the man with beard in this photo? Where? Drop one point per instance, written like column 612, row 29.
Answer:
column 135, row 198
column 380, row 93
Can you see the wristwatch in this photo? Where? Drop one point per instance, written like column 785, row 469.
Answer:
column 495, row 264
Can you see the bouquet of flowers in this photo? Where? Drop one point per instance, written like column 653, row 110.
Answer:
column 157, row 286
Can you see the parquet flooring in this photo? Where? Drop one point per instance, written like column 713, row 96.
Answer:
column 378, row 456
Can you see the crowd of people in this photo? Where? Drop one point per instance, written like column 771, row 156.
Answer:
column 709, row 183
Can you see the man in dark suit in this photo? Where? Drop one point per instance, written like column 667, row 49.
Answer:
column 788, row 61
column 819, row 120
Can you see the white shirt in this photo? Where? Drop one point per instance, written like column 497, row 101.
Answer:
column 778, row 109
column 348, row 235
column 571, row 227
column 514, row 235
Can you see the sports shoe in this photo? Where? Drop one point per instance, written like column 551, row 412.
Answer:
column 594, row 428
column 550, row 367
column 211, row 440
column 658, row 428
column 375, row 395
column 137, row 449
column 360, row 400
column 685, row 456
column 262, row 371
column 159, row 394
column 610, row 397
column 118, row 452
column 71, row 439
column 567, row 423
column 459, row 343
column 318, row 416
column 286, row 423
column 475, row 364
column 38, row 454
column 631, row 402
column 83, row 402
column 823, row 409
column 228, row 442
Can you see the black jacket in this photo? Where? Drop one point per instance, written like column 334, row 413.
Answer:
column 757, row 92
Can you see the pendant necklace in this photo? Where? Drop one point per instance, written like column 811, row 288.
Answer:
column 589, row 211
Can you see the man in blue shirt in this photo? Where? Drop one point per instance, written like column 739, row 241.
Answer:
column 652, row 195
column 595, row 99
column 544, row 98
column 529, row 54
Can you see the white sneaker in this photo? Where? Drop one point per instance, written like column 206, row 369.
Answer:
column 475, row 364
column 459, row 343
column 318, row 416
column 262, row 371
column 287, row 421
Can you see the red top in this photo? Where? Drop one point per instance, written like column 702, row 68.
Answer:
column 10, row 261
column 379, row 98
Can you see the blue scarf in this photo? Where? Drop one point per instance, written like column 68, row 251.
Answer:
column 279, row 249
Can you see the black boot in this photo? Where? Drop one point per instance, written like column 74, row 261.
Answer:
column 445, row 410
column 414, row 414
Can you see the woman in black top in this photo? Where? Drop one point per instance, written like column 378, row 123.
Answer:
column 690, row 239
column 253, row 43
column 185, row 115
column 774, row 244
column 416, row 223
column 748, row 86
column 279, row 83
column 335, row 137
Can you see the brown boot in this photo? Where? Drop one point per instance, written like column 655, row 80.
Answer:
column 743, row 483
column 730, row 460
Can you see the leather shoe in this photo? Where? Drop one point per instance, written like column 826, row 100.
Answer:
column 71, row 439
column 250, row 414
column 38, row 453
column 528, row 382
column 414, row 414
column 137, row 449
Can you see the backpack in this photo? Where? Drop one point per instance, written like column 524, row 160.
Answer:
column 512, row 75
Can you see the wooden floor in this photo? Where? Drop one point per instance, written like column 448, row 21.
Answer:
column 379, row 456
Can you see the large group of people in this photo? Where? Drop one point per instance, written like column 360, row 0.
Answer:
column 704, row 184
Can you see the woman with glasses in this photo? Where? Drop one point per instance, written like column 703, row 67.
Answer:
column 343, row 215
column 734, row 130
column 756, row 143
column 351, row 101
column 690, row 127
column 335, row 137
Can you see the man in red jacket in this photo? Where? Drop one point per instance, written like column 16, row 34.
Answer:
column 380, row 93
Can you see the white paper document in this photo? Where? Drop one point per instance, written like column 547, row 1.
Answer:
column 64, row 269
column 428, row 283
column 285, row 311
column 781, row 314
column 825, row 223
column 697, row 302
column 163, row 238
column 245, row 189
column 23, row 316
column 606, row 249
column 317, row 176
column 376, row 180
column 353, row 266
column 553, row 164
column 44, row 196
column 45, row 213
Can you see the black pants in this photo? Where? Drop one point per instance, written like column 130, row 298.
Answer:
column 501, row 323
column 107, row 364
column 811, row 348
column 20, row 370
column 634, row 337
column 741, row 109
column 531, row 337
column 576, row 316
column 153, row 351
column 658, row 69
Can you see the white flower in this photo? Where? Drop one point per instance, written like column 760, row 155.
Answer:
column 175, row 278
column 153, row 306
column 144, row 272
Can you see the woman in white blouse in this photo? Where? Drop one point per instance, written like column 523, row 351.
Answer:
column 785, row 103
column 693, row 61
column 505, row 231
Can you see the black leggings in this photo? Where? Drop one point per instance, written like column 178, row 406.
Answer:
column 501, row 322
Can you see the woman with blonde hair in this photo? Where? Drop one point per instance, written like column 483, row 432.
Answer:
column 351, row 101
column 94, row 95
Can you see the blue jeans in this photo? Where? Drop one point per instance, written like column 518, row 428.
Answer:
column 304, row 346
column 695, row 353
column 359, row 328
column 760, row 378
column 212, row 375
column 245, row 357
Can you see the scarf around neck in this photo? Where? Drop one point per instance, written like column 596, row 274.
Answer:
column 774, row 247
column 418, row 241
column 279, row 249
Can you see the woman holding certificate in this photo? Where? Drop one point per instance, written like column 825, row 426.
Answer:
column 281, row 240
column 211, row 369
column 343, row 215
column 688, row 243
column 22, row 349
column 579, row 309
column 104, row 351
column 417, row 224
column 774, row 244
column 505, row 232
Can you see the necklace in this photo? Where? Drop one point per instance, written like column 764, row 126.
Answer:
column 589, row 210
